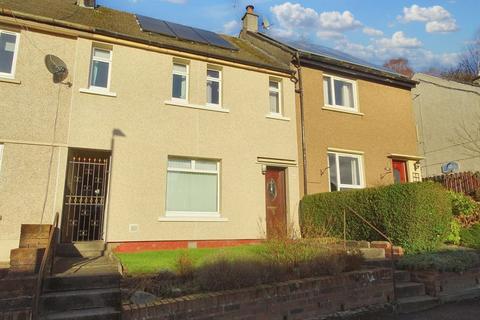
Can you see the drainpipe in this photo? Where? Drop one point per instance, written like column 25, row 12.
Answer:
column 299, row 90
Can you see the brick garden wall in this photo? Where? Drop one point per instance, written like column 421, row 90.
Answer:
column 300, row 299
column 437, row 283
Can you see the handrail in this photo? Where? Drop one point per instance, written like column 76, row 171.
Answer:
column 380, row 233
column 49, row 253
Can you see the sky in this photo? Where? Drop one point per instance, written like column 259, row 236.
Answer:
column 430, row 34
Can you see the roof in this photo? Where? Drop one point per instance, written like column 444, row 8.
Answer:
column 123, row 25
column 317, row 53
column 447, row 84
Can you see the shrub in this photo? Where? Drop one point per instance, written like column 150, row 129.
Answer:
column 471, row 237
column 462, row 204
column 449, row 260
column 415, row 216
column 184, row 266
column 454, row 235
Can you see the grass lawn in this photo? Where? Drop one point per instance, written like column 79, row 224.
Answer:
column 154, row 261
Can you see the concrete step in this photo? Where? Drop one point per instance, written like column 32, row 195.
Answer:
column 90, row 314
column 416, row 304
column 55, row 302
column 81, row 249
column 72, row 282
column 402, row 276
column 409, row 289
column 373, row 253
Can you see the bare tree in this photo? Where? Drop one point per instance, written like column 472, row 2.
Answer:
column 468, row 66
column 400, row 65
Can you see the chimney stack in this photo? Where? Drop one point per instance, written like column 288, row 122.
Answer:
column 91, row 4
column 250, row 19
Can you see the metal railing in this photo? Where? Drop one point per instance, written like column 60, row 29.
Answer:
column 45, row 267
column 368, row 223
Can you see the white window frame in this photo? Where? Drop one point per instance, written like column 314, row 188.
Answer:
column 187, row 80
column 219, row 80
column 334, row 105
column 194, row 170
column 361, row 173
column 11, row 75
column 109, row 61
column 279, row 91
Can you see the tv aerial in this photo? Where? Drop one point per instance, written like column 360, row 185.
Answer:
column 57, row 68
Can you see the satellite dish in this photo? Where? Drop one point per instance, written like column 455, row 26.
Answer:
column 56, row 67
column 265, row 23
column 450, row 167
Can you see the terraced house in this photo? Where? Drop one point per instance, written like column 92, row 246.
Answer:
column 140, row 132
column 355, row 120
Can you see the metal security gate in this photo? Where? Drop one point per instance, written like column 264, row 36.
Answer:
column 85, row 197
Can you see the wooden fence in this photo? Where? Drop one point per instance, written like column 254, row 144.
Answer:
column 465, row 182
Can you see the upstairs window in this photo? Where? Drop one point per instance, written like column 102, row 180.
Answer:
column 345, row 171
column 8, row 53
column 214, row 87
column 192, row 187
column 180, row 81
column 275, row 97
column 339, row 93
column 100, row 69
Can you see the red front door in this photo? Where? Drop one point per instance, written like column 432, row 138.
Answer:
column 275, row 199
column 399, row 171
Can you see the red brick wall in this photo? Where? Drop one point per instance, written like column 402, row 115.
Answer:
column 300, row 299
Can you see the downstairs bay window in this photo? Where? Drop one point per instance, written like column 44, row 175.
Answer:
column 192, row 188
column 345, row 171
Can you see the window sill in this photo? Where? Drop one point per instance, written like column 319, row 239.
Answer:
column 342, row 110
column 277, row 117
column 192, row 219
column 9, row 80
column 98, row 92
column 185, row 104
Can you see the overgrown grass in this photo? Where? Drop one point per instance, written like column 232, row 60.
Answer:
column 167, row 260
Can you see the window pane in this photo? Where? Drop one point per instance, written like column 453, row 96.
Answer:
column 180, row 163
column 332, row 163
column 343, row 94
column 7, row 50
column 99, row 76
column 349, row 170
column 206, row 165
column 327, row 90
column 179, row 68
column 213, row 92
column 274, row 102
column 213, row 74
column 104, row 54
column 192, row 192
column 274, row 85
column 179, row 86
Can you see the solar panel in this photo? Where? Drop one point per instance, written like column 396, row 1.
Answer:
column 214, row 39
column 154, row 25
column 334, row 54
column 183, row 32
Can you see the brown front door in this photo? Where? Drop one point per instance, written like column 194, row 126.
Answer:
column 275, row 195
column 85, row 196
column 399, row 171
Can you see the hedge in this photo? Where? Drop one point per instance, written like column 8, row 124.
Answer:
column 415, row 216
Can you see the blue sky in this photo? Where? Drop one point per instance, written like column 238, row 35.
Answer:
column 428, row 33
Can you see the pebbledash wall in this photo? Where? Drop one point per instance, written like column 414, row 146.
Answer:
column 299, row 299
column 142, row 131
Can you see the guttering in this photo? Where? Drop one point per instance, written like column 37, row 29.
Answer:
column 91, row 32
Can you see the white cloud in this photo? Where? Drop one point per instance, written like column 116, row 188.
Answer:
column 372, row 32
column 231, row 27
column 437, row 18
column 399, row 40
column 294, row 20
column 176, row 1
